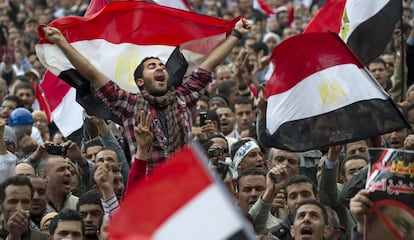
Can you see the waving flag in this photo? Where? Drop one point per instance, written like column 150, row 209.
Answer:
column 323, row 95
column 179, row 200
column 180, row 4
column 366, row 26
column 116, row 48
column 262, row 6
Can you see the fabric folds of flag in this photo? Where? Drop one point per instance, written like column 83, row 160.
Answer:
column 323, row 95
column 366, row 26
column 180, row 200
column 116, row 48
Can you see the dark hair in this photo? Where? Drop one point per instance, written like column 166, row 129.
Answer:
column 315, row 203
column 66, row 215
column 249, row 172
column 378, row 60
column 92, row 143
column 212, row 116
column 225, row 87
column 243, row 101
column 90, row 197
column 349, row 158
column 15, row 99
column 139, row 71
column 301, row 179
column 18, row 180
column 23, row 85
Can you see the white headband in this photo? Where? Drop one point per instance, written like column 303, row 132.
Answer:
column 242, row 152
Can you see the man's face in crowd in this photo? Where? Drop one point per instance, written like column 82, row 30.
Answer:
column 244, row 116
column 395, row 139
column 91, row 214
column 290, row 160
column 223, row 73
column 357, row 148
column 252, row 159
column 91, row 152
column 27, row 96
column 155, row 77
column 309, row 223
column 379, row 72
column 352, row 167
column 108, row 156
column 17, row 198
column 250, row 189
column 6, row 108
column 298, row 192
column 227, row 119
column 39, row 197
column 119, row 187
column 58, row 176
column 68, row 229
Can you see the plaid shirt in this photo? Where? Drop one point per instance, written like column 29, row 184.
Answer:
column 127, row 105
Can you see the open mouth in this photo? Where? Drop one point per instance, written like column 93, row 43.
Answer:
column 159, row 77
column 306, row 231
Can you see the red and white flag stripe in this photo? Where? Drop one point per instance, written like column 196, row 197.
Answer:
column 179, row 200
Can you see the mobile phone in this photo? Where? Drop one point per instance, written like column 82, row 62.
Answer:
column 222, row 169
column 56, row 150
column 203, row 118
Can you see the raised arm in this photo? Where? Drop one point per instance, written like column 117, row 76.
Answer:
column 218, row 55
column 85, row 68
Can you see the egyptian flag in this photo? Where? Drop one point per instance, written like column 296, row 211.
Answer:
column 366, row 26
column 180, row 4
column 323, row 95
column 116, row 48
column 179, row 200
column 263, row 7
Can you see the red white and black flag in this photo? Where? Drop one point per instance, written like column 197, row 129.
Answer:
column 119, row 36
column 323, row 95
column 179, row 200
column 366, row 26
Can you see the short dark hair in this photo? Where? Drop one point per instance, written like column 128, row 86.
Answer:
column 17, row 180
column 249, row 172
column 349, row 158
column 90, row 197
column 15, row 99
column 301, row 179
column 139, row 71
column 23, row 85
column 315, row 203
column 91, row 143
column 378, row 60
column 66, row 215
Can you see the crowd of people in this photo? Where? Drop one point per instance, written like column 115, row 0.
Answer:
column 57, row 187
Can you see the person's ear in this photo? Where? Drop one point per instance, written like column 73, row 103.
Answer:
column 43, row 175
column 95, row 187
column 140, row 82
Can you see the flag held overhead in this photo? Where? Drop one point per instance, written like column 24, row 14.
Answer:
column 323, row 95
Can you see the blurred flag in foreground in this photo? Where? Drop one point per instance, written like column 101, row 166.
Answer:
column 179, row 200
